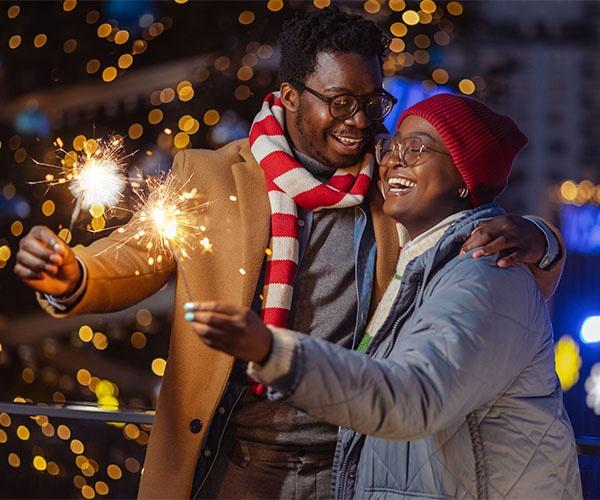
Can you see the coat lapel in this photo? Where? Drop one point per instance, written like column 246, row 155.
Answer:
column 255, row 214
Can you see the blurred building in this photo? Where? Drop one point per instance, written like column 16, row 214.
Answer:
column 540, row 66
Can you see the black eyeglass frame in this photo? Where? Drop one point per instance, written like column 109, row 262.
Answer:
column 360, row 102
column 402, row 151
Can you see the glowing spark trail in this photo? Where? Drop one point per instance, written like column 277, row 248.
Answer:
column 166, row 222
column 96, row 176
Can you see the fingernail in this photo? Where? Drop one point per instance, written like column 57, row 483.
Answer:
column 462, row 252
column 478, row 254
column 189, row 316
column 56, row 247
column 188, row 306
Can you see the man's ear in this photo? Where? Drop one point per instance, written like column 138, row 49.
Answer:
column 290, row 97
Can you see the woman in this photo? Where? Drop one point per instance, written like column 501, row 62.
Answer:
column 456, row 395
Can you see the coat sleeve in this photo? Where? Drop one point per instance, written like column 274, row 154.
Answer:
column 118, row 272
column 548, row 279
column 468, row 343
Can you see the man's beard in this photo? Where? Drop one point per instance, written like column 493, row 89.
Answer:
column 313, row 151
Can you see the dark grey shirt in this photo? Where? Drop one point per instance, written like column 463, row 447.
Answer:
column 324, row 306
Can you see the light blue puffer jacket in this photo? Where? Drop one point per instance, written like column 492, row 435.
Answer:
column 458, row 398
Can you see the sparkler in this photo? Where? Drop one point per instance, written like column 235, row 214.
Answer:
column 96, row 176
column 166, row 222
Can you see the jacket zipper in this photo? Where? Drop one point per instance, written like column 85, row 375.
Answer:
column 395, row 332
column 395, row 327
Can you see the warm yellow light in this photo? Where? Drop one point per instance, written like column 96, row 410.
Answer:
column 131, row 431
column 242, row 92
column 14, row 41
column 138, row 340
column 158, row 366
column 53, row 469
column 372, row 6
column 245, row 73
column 63, row 432
column 48, row 208
column 100, row 341
column 39, row 463
column 69, row 5
column 14, row 460
column 568, row 190
column 398, row 29
column 114, row 472
column 181, row 141
column 121, row 37
column 3, row 437
column 23, row 433
column 92, row 66
column 410, row 17
column 40, row 40
column 109, row 74
column 101, row 488
column 275, row 5
column 155, row 116
column 77, row 447
column 65, row 235
column 13, row 11
column 87, row 492
column 397, row 45
column 125, row 61
column 5, row 253
column 104, row 30
column 246, row 17
column 440, row 76
column 428, row 6
column 186, row 93
column 454, row 8
column 28, row 375
column 211, row 117
column 466, row 86
column 321, row 4
column 167, row 95
column 567, row 362
column 5, row 420
column 135, row 131
column 83, row 376
column 397, row 5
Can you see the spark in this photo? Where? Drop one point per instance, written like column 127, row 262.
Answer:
column 96, row 175
column 165, row 220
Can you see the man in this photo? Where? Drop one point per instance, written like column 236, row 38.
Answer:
column 311, row 211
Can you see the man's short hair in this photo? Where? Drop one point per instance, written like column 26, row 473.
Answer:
column 327, row 30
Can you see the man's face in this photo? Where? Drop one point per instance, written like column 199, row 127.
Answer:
column 336, row 143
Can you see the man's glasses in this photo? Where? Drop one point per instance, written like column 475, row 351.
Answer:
column 341, row 107
column 408, row 150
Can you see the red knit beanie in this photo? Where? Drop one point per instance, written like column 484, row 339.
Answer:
column 481, row 142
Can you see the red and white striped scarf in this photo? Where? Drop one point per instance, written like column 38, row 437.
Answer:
column 290, row 184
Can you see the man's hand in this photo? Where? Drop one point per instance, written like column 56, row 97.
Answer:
column 520, row 237
column 46, row 263
column 235, row 330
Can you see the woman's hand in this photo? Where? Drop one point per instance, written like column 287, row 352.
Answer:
column 235, row 330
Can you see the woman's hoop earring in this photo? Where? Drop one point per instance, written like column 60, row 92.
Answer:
column 463, row 192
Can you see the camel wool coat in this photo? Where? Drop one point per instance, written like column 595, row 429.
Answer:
column 238, row 223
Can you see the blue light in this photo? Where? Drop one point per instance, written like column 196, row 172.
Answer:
column 590, row 330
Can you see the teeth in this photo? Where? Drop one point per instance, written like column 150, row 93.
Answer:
column 348, row 141
column 401, row 181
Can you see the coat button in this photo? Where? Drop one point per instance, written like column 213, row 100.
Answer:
column 196, row 425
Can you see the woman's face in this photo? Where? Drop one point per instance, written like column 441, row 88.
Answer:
column 422, row 195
